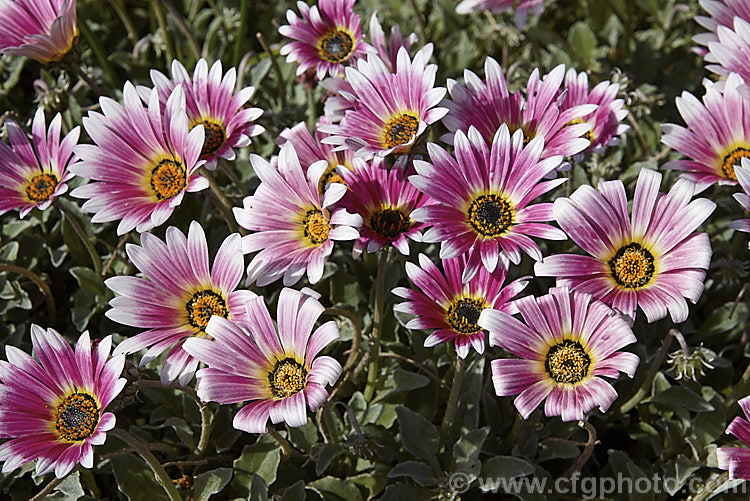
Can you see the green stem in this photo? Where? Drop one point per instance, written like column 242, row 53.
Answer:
column 89, row 81
column 240, row 37
column 227, row 169
column 82, row 236
column 122, row 13
column 653, row 370
column 420, row 20
column 377, row 327
column 450, row 409
column 184, row 28
column 206, row 425
column 168, row 50
column 275, row 66
column 222, row 203
column 711, row 486
column 353, row 351
column 100, row 55
column 283, row 443
column 50, row 486
column 588, row 449
column 43, row 287
column 159, row 472
column 737, row 389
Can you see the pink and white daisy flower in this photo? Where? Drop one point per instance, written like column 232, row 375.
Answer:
column 310, row 149
column 717, row 136
column 43, row 30
column 567, row 343
column 743, row 176
column 388, row 49
column 488, row 105
column 485, row 196
column 52, row 410
column 33, row 174
column 327, row 36
column 178, row 295
column 450, row 308
column 211, row 102
column 392, row 110
column 722, row 13
column 606, row 128
column 728, row 53
column 294, row 226
column 278, row 371
column 143, row 162
column 653, row 259
column 384, row 199
column 522, row 8
column 736, row 460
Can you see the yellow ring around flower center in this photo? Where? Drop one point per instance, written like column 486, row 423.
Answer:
column 76, row 417
column 287, row 378
column 215, row 135
column 389, row 222
column 41, row 187
column 491, row 215
column 168, row 179
column 203, row 305
column 463, row 313
column 731, row 159
column 632, row 266
column 336, row 45
column 567, row 362
column 315, row 227
column 400, row 129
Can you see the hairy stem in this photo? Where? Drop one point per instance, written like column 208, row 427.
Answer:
column 159, row 472
column 654, row 369
column 588, row 449
column 283, row 443
column 377, row 327
column 450, row 409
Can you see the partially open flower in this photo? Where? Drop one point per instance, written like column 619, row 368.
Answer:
column 44, row 30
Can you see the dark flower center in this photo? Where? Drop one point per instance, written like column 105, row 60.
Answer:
column 463, row 314
column 215, row 135
column 203, row 305
column 329, row 176
column 589, row 133
column 632, row 266
column 41, row 187
column 316, row 227
column 389, row 223
column 287, row 378
column 731, row 159
column 76, row 417
column 400, row 129
column 336, row 46
column 491, row 215
column 168, row 179
column 567, row 362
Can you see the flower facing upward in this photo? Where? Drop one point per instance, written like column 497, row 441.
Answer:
column 143, row 162
column 33, row 176
column 736, row 460
column 211, row 102
column 565, row 344
column 651, row 259
column 392, row 109
column 450, row 308
column 605, row 121
column 484, row 196
column 44, row 30
column 53, row 409
column 384, row 199
column 717, row 137
column 488, row 105
column 326, row 37
column 294, row 226
column 743, row 176
column 278, row 371
column 178, row 295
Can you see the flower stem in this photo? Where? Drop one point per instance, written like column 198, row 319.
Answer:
column 711, row 486
column 377, row 327
column 222, row 203
column 50, row 486
column 177, row 17
column 101, row 56
column 588, row 449
column 450, row 409
column 206, row 425
column 275, row 66
column 420, row 20
column 43, row 287
column 353, row 351
column 655, row 365
column 159, row 472
column 168, row 50
column 240, row 36
column 283, row 443
column 82, row 236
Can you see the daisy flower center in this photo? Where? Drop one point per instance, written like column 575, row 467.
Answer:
column 204, row 304
column 463, row 314
column 589, row 133
column 389, row 222
column 41, row 187
column 287, row 378
column 168, row 179
column 329, row 176
column 491, row 215
column 316, row 227
column 567, row 362
column 336, row 46
column 76, row 417
column 400, row 129
column 632, row 266
column 731, row 159
column 215, row 135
